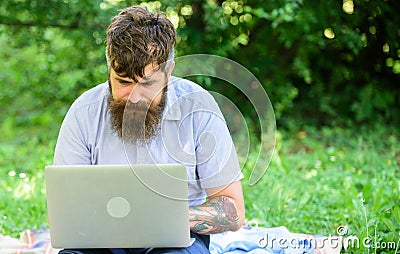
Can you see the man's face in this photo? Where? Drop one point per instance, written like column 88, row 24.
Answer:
column 147, row 89
column 136, row 107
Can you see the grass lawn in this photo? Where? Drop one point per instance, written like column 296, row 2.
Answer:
column 319, row 180
column 325, row 180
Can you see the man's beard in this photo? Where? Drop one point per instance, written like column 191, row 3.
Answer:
column 136, row 123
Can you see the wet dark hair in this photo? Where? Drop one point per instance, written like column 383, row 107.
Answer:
column 137, row 37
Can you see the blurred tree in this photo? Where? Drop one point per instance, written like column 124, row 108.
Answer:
column 328, row 62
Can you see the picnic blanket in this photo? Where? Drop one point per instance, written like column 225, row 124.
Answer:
column 249, row 239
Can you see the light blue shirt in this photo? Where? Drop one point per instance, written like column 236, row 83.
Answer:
column 193, row 133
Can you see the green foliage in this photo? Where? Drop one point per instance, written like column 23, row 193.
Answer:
column 323, row 62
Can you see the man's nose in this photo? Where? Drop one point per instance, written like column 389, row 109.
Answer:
column 135, row 95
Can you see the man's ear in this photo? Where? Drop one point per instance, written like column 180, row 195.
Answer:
column 171, row 68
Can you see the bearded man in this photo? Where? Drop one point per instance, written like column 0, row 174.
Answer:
column 143, row 115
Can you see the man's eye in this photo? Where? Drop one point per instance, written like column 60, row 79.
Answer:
column 144, row 83
column 125, row 83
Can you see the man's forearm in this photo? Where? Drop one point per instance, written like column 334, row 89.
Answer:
column 215, row 216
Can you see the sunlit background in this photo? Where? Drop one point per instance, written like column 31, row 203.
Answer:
column 331, row 70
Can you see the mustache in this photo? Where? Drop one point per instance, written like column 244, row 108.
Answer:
column 127, row 105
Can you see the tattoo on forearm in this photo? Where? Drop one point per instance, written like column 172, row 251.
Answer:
column 215, row 216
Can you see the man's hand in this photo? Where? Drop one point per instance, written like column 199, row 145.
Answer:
column 224, row 211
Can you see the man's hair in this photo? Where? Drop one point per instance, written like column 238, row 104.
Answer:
column 137, row 37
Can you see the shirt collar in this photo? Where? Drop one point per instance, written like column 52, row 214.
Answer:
column 172, row 109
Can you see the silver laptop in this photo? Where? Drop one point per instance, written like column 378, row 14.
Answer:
column 118, row 206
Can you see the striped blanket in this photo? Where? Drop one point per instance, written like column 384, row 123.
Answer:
column 253, row 240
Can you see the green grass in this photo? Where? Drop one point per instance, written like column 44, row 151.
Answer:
column 22, row 194
column 318, row 180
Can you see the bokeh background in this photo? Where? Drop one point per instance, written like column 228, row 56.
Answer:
column 331, row 70
column 323, row 63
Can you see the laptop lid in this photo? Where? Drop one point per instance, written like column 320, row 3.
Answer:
column 118, row 206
